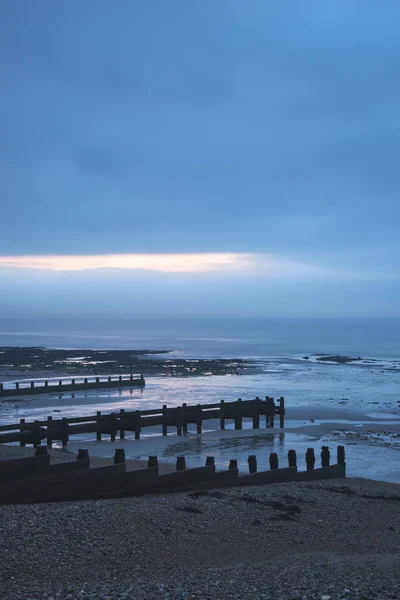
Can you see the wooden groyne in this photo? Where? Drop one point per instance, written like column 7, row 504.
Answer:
column 178, row 417
column 35, row 479
column 73, row 385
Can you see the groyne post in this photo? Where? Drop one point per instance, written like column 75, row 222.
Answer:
column 64, row 433
column 273, row 461
column 222, row 415
column 119, row 456
column 152, row 462
column 310, row 459
column 292, row 459
column 83, row 454
column 233, row 464
column 49, row 439
column 199, row 418
column 121, row 431
column 41, row 450
column 179, row 420
column 269, row 412
column 21, row 429
column 113, row 427
column 325, row 456
column 184, row 423
column 238, row 414
column 164, row 425
column 256, row 415
column 281, row 412
column 138, row 427
column 210, row 461
column 252, row 462
column 180, row 463
column 36, row 436
column 98, row 432
column 341, row 459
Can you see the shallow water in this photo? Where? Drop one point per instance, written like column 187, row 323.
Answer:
column 354, row 396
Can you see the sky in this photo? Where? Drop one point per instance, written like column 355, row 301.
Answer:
column 199, row 157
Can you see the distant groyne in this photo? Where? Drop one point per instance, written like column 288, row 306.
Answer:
column 70, row 385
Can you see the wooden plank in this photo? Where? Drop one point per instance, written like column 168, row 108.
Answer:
column 60, row 487
column 264, row 477
column 45, row 470
column 15, row 463
column 332, row 472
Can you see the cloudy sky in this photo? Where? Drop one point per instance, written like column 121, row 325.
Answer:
column 200, row 157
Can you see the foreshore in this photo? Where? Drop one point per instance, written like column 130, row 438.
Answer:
column 309, row 541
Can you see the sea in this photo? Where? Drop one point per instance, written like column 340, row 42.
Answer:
column 356, row 403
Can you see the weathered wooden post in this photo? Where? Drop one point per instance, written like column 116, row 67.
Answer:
column 16, row 385
column 222, row 415
column 138, row 426
column 98, row 432
column 32, row 384
column 131, row 377
column 292, row 459
column 85, row 381
column 238, row 414
column 109, row 379
column 152, row 462
column 121, row 430
column 273, row 461
column 83, row 454
column 269, row 411
column 180, row 463
column 46, row 383
column 97, row 379
column 256, row 415
column 113, row 427
column 36, row 434
column 60, row 382
column 341, row 460
column 179, row 420
column 72, row 381
column 184, row 424
column 119, row 456
column 64, row 434
column 210, row 461
column 310, row 459
column 164, row 425
column 325, row 456
column 21, row 429
column 233, row 464
column 199, row 418
column 281, row 412
column 41, row 450
column 49, row 438
column 252, row 461
column 120, row 378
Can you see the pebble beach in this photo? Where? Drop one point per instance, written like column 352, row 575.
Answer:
column 331, row 540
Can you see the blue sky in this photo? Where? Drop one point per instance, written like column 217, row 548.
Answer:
column 266, row 130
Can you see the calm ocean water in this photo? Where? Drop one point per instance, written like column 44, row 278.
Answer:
column 376, row 338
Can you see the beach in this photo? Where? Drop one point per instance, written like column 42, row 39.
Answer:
column 336, row 540
column 331, row 540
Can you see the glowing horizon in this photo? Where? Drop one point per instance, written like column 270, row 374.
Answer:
column 173, row 263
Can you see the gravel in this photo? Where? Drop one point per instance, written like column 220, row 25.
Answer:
column 332, row 540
